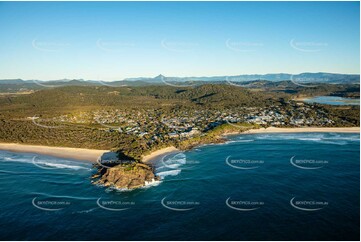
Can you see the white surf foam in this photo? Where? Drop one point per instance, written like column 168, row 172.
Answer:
column 168, row 173
column 245, row 140
column 60, row 165
column 48, row 163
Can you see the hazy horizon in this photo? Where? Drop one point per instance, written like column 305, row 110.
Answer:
column 205, row 76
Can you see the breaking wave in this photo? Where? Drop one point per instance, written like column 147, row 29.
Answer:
column 168, row 173
column 51, row 163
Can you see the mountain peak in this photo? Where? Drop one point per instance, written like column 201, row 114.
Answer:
column 159, row 77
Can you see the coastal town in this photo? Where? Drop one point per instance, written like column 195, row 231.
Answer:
column 158, row 124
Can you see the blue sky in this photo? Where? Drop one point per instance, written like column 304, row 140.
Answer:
column 116, row 40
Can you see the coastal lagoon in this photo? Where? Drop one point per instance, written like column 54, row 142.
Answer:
column 333, row 100
column 302, row 186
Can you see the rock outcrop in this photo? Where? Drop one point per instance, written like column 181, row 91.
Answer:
column 125, row 176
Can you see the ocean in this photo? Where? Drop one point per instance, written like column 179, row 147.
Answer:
column 303, row 186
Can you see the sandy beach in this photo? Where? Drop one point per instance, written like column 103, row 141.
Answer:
column 92, row 155
column 154, row 155
column 304, row 130
column 62, row 152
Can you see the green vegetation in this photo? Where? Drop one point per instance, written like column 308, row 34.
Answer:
column 216, row 135
column 137, row 120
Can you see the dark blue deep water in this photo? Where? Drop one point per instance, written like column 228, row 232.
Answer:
column 255, row 187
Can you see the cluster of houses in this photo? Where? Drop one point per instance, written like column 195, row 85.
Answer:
column 154, row 124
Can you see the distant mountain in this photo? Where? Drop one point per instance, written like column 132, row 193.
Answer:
column 320, row 77
column 12, row 81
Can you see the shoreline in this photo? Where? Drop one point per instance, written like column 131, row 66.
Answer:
column 152, row 157
column 92, row 155
column 80, row 154
column 270, row 130
column 158, row 153
column 304, row 130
